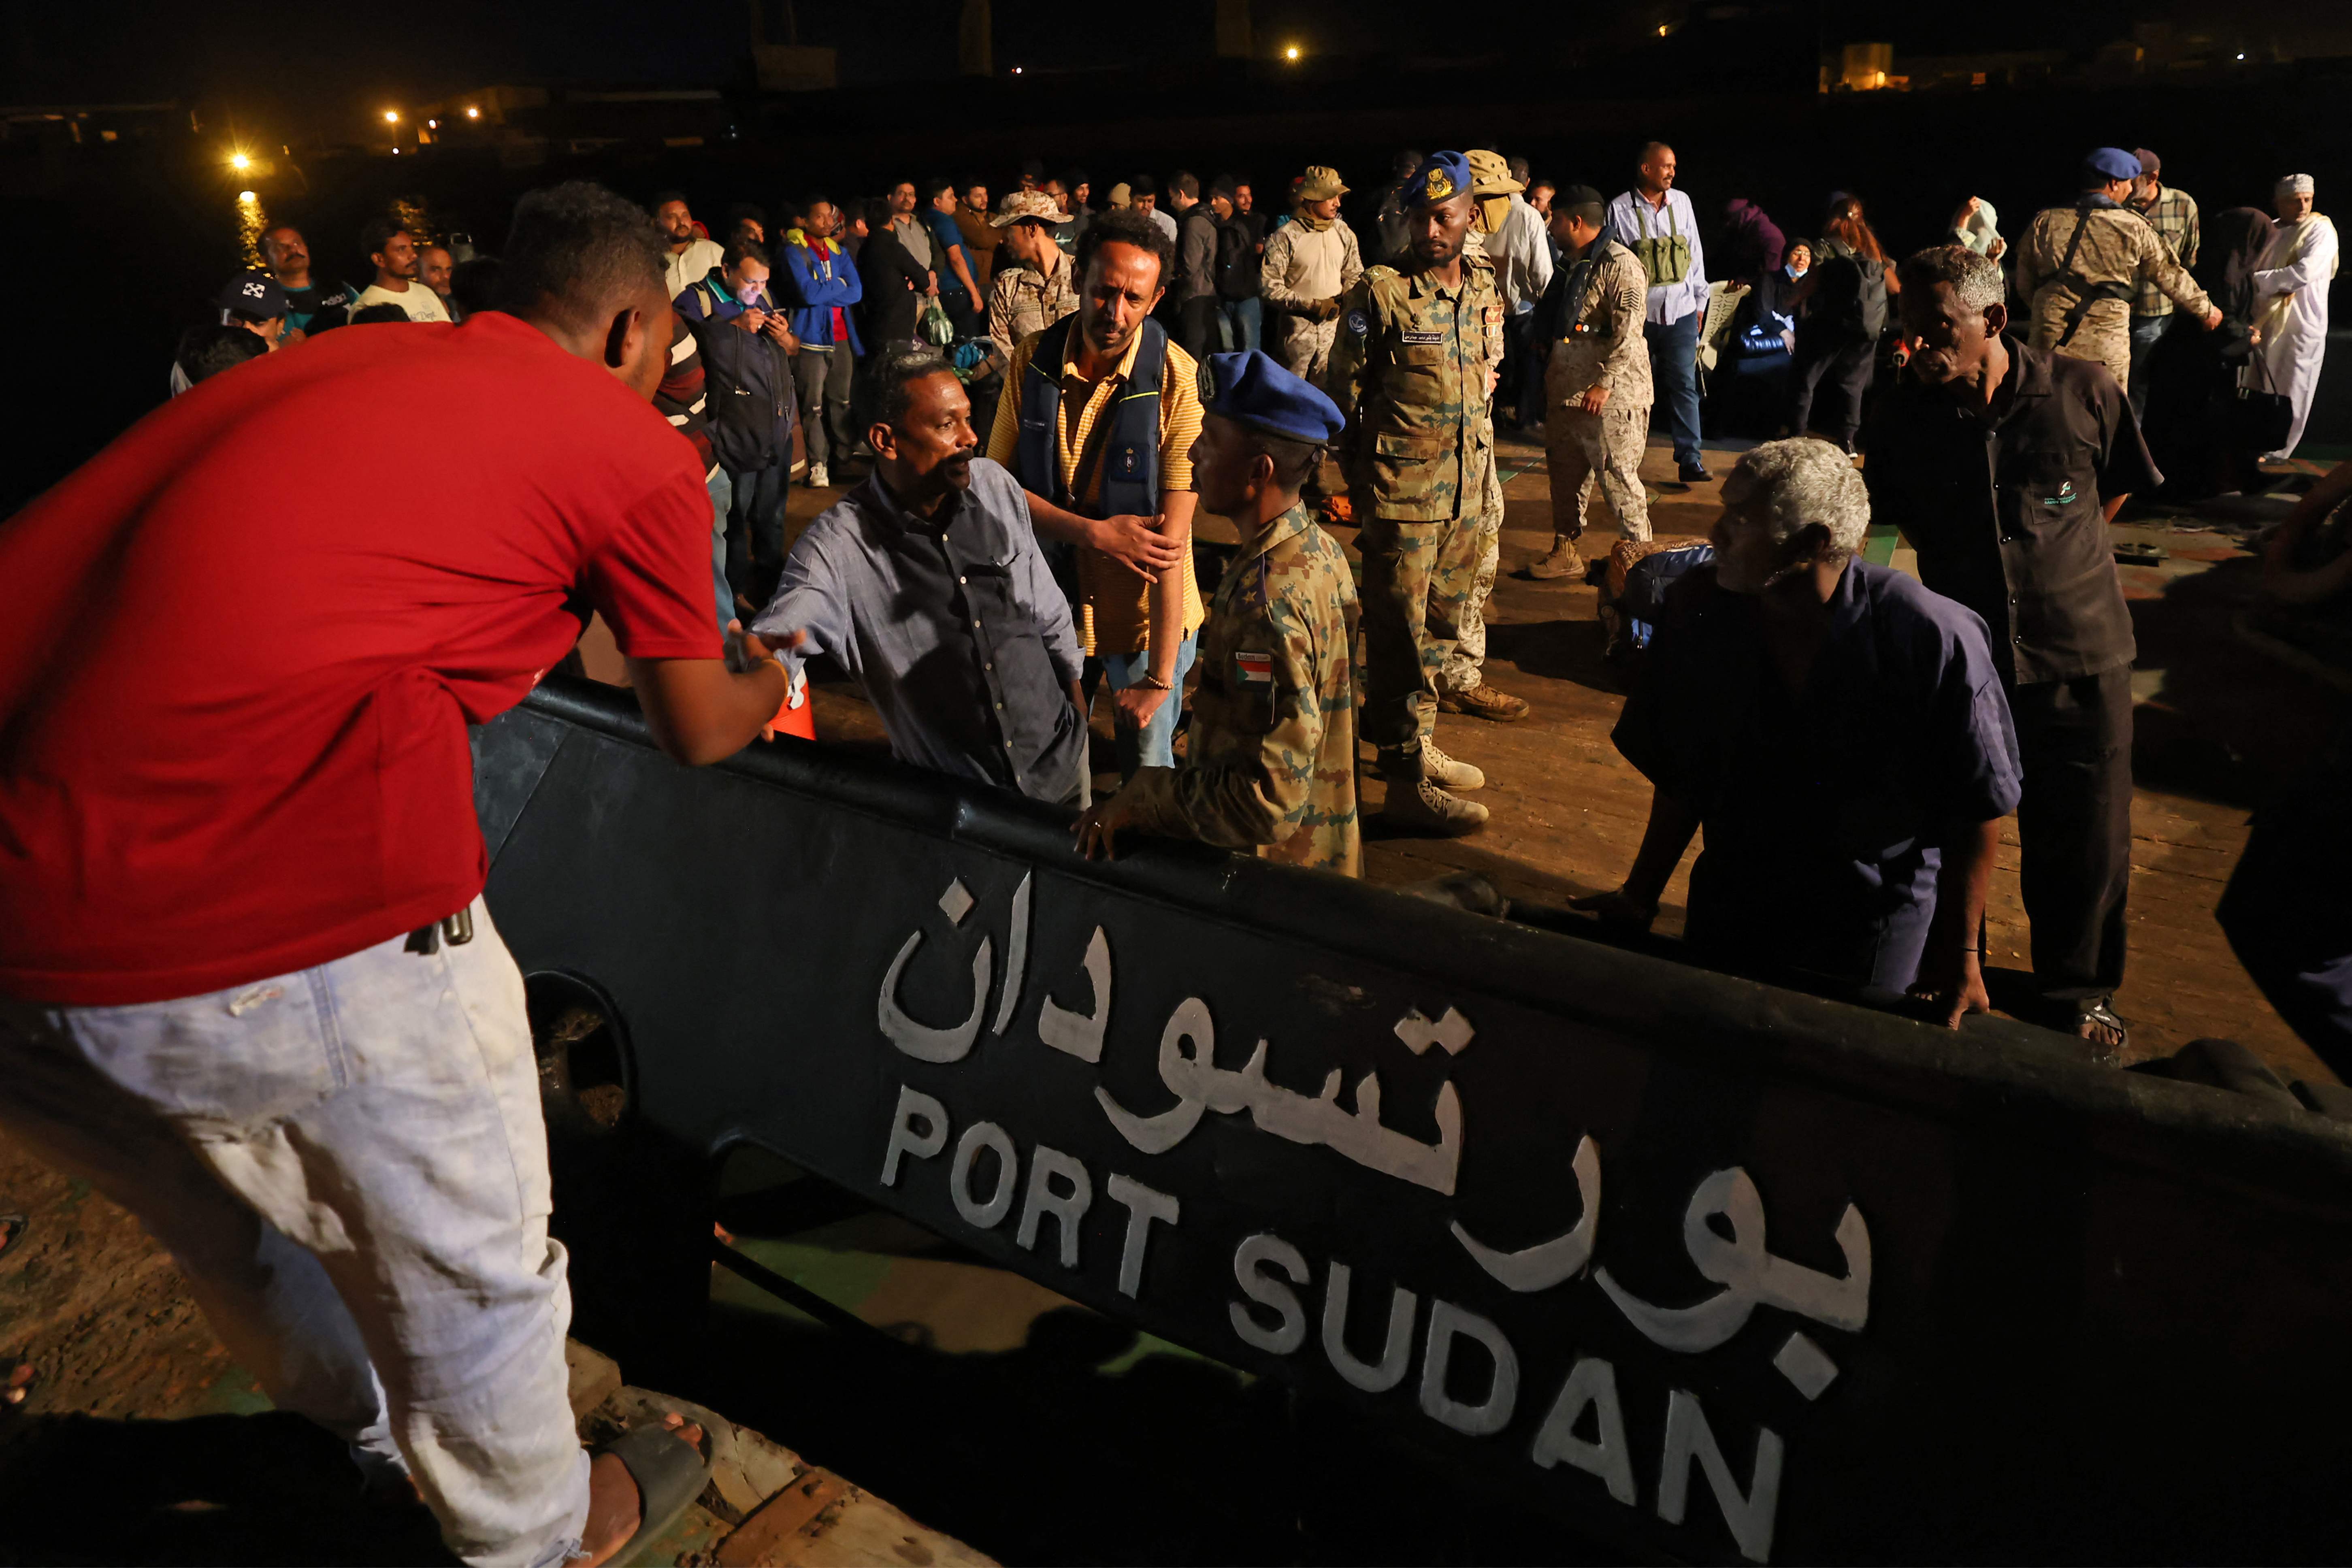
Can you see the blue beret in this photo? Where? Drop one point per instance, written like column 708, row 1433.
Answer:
column 2113, row 163
column 1441, row 177
column 1252, row 389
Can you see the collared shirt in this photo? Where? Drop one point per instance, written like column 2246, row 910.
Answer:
column 915, row 234
column 2173, row 214
column 1167, row 222
column 1824, row 809
column 1633, row 219
column 1271, row 765
column 682, row 269
column 952, row 625
column 1114, row 604
column 1022, row 300
column 2006, row 513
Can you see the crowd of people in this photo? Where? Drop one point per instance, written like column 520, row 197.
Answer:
column 241, row 937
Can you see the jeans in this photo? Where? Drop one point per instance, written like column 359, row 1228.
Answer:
column 755, row 532
column 2145, row 331
column 1242, row 323
column 350, row 1166
column 1154, row 745
column 822, row 376
column 1673, row 371
column 722, row 504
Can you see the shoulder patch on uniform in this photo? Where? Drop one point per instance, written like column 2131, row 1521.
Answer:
column 1359, row 323
column 1254, row 669
column 1381, row 272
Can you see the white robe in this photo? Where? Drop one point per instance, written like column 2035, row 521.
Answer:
column 2291, row 294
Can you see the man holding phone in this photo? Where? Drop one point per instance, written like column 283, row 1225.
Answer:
column 751, row 403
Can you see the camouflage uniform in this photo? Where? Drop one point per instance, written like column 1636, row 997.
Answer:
column 1304, row 264
column 1270, row 763
column 2119, row 252
column 1604, row 347
column 1022, row 300
column 1409, row 374
column 1465, row 667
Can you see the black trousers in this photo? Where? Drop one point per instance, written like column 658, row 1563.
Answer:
column 1827, row 383
column 2074, row 829
column 1198, row 318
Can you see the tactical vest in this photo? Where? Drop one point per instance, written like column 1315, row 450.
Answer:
column 1664, row 258
column 2085, row 292
column 1128, row 455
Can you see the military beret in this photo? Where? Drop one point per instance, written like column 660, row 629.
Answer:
column 1251, row 389
column 1441, row 177
column 2112, row 164
column 256, row 296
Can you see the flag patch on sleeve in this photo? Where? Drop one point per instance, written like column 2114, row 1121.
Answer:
column 1253, row 668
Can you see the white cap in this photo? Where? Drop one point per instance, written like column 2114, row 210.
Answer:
column 2295, row 185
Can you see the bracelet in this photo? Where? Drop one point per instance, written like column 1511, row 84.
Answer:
column 1153, row 682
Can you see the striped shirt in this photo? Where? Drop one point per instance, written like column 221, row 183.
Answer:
column 2173, row 214
column 680, row 399
column 1115, row 611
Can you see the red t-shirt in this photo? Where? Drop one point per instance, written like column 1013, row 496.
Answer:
column 244, row 642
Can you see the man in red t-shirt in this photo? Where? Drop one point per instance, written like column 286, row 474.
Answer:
column 248, row 985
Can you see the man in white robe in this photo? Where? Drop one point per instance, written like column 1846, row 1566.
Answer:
column 2291, row 305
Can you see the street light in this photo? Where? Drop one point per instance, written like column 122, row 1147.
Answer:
column 1291, row 53
column 245, row 197
column 239, row 162
column 473, row 114
column 391, row 117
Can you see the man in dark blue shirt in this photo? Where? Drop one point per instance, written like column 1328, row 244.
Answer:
column 1839, row 731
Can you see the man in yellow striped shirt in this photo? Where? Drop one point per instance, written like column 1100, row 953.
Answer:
column 1101, row 445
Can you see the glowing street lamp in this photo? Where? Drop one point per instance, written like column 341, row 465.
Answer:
column 472, row 113
column 1291, row 53
column 391, row 117
column 239, row 162
column 246, row 197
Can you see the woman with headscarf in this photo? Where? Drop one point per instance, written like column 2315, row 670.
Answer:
column 1837, row 335
column 2290, row 291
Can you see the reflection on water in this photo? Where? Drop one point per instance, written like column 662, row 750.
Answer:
column 250, row 223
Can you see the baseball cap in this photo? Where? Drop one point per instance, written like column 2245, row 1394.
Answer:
column 256, row 296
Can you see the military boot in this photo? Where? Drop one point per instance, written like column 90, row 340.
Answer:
column 1416, row 804
column 1483, row 701
column 1449, row 772
column 1564, row 564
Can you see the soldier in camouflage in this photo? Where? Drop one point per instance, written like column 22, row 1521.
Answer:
column 1596, row 383
column 1413, row 373
column 1270, row 764
column 2079, row 268
column 1463, row 679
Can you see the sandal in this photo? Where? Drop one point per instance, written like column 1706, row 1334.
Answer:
column 669, row 1474
column 2097, row 1023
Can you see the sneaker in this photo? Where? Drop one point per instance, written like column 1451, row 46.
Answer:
column 1483, row 701
column 1564, row 564
column 1418, row 805
column 818, row 479
column 1448, row 772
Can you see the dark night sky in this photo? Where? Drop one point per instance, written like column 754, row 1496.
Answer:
column 319, row 63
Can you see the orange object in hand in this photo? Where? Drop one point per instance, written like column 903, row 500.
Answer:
column 797, row 716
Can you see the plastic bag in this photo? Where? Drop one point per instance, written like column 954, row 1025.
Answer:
column 937, row 330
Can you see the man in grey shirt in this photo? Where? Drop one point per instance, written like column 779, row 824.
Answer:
column 926, row 584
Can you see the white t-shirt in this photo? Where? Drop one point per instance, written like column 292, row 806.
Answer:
column 421, row 303
column 682, row 269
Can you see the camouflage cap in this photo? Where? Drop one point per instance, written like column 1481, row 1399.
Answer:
column 1019, row 204
column 1490, row 175
column 1320, row 184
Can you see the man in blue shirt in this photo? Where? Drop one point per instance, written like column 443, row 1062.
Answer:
column 1840, row 733
column 1660, row 227
column 926, row 584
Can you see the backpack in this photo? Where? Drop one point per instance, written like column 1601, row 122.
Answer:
column 1854, row 302
column 1237, row 261
column 1634, row 593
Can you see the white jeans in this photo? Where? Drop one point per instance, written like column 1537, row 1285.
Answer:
column 349, row 1165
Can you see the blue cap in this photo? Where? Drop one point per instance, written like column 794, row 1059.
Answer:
column 1441, row 177
column 256, row 296
column 2113, row 163
column 1251, row 389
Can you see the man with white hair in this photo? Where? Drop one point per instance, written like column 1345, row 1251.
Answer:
column 2291, row 285
column 2003, row 463
column 1839, row 731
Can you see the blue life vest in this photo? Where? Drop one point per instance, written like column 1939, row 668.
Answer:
column 1130, row 448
